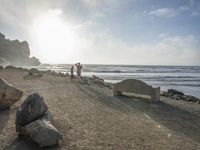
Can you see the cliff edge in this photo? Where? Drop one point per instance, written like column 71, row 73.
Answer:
column 14, row 52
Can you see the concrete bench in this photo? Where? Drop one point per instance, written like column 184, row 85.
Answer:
column 137, row 87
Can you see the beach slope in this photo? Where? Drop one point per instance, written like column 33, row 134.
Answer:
column 89, row 117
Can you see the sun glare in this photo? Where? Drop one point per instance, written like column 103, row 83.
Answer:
column 56, row 39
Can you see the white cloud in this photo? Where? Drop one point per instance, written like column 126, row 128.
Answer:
column 164, row 12
column 102, row 47
column 195, row 13
column 172, row 12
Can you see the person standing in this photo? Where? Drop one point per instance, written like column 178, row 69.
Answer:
column 78, row 69
column 72, row 72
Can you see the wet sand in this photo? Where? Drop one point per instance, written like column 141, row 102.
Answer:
column 89, row 117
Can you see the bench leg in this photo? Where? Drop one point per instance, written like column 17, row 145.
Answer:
column 155, row 95
column 116, row 92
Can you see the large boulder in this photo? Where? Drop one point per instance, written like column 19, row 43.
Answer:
column 33, row 108
column 8, row 94
column 42, row 132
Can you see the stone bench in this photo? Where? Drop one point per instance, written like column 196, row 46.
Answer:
column 136, row 87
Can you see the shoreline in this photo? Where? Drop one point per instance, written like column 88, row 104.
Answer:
column 100, row 81
column 89, row 117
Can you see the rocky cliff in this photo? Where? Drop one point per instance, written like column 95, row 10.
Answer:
column 14, row 52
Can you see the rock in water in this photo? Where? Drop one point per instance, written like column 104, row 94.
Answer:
column 32, row 108
column 42, row 132
column 175, row 92
column 8, row 94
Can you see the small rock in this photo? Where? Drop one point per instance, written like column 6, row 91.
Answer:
column 8, row 94
column 32, row 108
column 42, row 132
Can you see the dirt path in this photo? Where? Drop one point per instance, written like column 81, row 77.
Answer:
column 90, row 117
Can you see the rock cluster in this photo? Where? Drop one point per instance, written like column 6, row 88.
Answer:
column 174, row 94
column 34, row 120
column 8, row 94
column 14, row 52
column 94, row 80
column 36, row 72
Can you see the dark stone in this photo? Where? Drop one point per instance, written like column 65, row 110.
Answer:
column 42, row 132
column 33, row 108
column 174, row 92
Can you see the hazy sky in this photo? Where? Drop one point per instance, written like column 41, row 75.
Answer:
column 158, row 32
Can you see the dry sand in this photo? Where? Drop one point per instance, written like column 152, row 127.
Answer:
column 89, row 117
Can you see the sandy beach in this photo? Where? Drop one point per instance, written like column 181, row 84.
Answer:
column 89, row 117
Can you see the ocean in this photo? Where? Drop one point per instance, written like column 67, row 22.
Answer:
column 182, row 78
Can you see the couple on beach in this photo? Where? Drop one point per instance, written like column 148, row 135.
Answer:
column 78, row 70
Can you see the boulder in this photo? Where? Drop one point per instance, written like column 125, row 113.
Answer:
column 8, row 94
column 10, row 67
column 42, row 132
column 175, row 92
column 35, row 72
column 33, row 108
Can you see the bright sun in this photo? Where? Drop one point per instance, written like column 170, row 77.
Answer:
column 57, row 40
